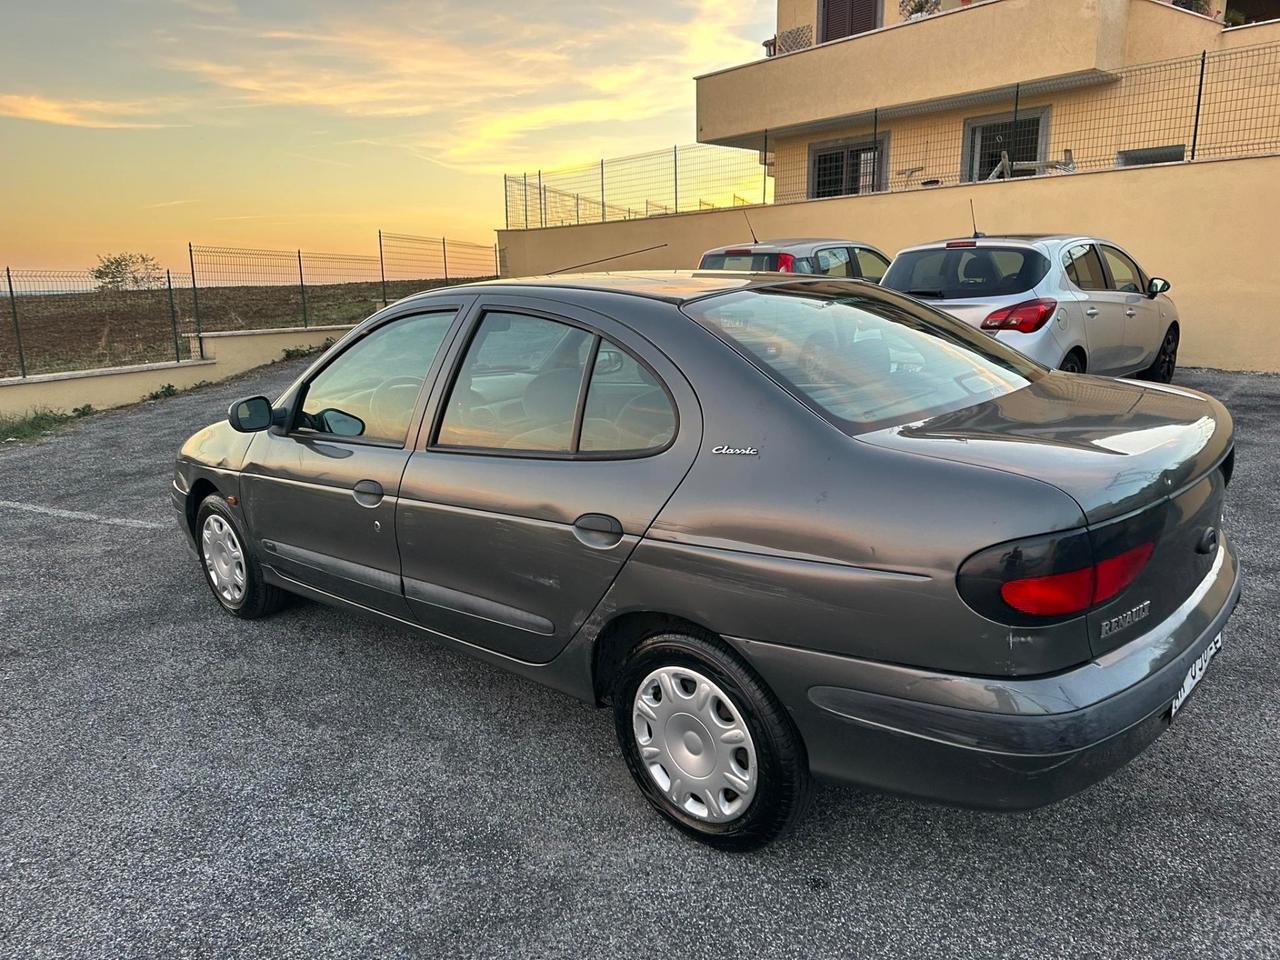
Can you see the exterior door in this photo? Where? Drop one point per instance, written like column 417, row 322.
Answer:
column 1102, row 311
column 544, row 459
column 1142, row 333
column 320, row 493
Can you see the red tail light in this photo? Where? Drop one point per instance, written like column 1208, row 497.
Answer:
column 786, row 263
column 1025, row 317
column 1077, row 590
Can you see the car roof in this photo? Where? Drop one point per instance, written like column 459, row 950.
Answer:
column 773, row 246
column 1029, row 239
column 669, row 286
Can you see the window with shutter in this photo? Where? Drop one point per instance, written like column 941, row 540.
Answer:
column 844, row 18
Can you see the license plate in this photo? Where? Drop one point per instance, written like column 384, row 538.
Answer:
column 1195, row 674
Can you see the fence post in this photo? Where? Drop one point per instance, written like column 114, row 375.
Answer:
column 506, row 205
column 497, row 265
column 875, row 145
column 173, row 318
column 525, row 226
column 764, row 167
column 542, row 209
column 675, row 177
column 444, row 252
column 602, row 206
column 302, row 286
column 195, row 300
column 382, row 264
column 1195, row 133
column 17, row 329
column 577, row 208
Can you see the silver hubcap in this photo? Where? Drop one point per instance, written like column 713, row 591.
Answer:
column 223, row 558
column 694, row 744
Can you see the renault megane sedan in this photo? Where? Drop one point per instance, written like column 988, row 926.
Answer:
column 784, row 527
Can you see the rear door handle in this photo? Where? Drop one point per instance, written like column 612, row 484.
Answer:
column 1091, row 312
column 598, row 530
column 368, row 493
column 1131, row 312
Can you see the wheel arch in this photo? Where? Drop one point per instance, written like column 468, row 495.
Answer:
column 624, row 631
column 201, row 489
column 1079, row 351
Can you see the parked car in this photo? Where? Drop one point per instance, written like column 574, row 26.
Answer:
column 783, row 526
column 1076, row 303
column 831, row 258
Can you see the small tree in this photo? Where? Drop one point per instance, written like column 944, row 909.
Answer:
column 127, row 271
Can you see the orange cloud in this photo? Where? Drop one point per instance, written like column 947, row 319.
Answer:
column 103, row 114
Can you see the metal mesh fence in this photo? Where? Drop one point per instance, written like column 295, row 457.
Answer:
column 1208, row 106
column 57, row 321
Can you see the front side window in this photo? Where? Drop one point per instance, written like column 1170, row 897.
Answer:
column 864, row 362
column 1084, row 267
column 961, row 272
column 871, row 265
column 834, row 262
column 369, row 391
column 1125, row 275
column 1003, row 146
column 520, row 388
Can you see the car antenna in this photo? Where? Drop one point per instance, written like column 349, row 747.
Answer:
column 617, row 256
column 973, row 218
column 754, row 239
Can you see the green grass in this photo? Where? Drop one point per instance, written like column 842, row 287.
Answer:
column 38, row 423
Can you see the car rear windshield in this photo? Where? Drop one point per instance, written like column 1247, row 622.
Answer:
column 960, row 273
column 745, row 261
column 863, row 362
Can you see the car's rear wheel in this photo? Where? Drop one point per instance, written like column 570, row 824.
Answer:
column 1166, row 362
column 1073, row 362
column 230, row 569
column 708, row 744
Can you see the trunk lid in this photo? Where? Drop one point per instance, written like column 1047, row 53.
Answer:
column 1148, row 464
column 1115, row 446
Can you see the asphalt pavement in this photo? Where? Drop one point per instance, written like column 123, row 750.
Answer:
column 175, row 782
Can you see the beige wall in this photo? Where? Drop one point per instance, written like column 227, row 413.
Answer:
column 1182, row 221
column 226, row 354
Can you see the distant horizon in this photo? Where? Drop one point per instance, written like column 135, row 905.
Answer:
column 311, row 126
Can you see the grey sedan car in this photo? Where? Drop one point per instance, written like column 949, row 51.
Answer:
column 783, row 526
column 1073, row 302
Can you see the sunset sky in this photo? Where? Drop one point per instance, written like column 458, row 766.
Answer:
column 142, row 124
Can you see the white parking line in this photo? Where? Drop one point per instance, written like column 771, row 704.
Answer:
column 78, row 515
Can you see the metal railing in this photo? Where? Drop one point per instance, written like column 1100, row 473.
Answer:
column 60, row 320
column 1208, row 106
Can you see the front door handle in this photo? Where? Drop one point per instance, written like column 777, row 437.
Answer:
column 1091, row 312
column 1131, row 312
column 598, row 530
column 368, row 493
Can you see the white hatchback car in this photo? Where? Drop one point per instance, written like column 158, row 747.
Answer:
column 1074, row 303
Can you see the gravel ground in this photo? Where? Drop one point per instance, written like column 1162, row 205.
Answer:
column 176, row 782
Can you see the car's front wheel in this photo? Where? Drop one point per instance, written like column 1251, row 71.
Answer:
column 230, row 569
column 708, row 744
column 1166, row 362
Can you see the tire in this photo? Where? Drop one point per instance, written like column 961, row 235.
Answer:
column 1073, row 362
column 230, row 568
column 702, row 732
column 1166, row 362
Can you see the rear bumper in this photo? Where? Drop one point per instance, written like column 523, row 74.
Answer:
column 994, row 742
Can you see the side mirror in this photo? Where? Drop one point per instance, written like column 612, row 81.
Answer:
column 608, row 361
column 251, row 415
column 1157, row 286
column 340, row 423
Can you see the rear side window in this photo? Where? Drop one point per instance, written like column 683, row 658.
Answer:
column 744, row 261
column 1084, row 267
column 863, row 362
column 535, row 385
column 834, row 262
column 957, row 273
